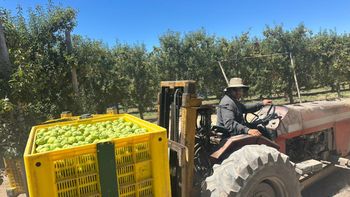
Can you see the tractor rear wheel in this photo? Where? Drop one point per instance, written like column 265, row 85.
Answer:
column 253, row 171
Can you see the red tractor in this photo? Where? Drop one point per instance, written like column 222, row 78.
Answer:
column 298, row 141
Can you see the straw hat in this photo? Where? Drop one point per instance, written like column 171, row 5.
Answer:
column 236, row 83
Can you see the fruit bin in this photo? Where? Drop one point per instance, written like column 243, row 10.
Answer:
column 15, row 172
column 132, row 166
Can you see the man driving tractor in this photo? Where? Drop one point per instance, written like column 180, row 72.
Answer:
column 230, row 110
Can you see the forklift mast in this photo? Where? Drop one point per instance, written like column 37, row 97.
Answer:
column 177, row 101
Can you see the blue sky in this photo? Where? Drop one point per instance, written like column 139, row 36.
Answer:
column 131, row 21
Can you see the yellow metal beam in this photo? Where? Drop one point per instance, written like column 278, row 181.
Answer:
column 172, row 84
column 187, row 138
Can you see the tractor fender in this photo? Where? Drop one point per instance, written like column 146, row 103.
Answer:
column 236, row 142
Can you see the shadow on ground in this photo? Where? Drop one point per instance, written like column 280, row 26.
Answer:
column 336, row 184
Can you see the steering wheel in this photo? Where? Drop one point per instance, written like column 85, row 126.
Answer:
column 260, row 123
column 270, row 115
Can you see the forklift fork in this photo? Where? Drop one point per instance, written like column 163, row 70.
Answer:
column 182, row 158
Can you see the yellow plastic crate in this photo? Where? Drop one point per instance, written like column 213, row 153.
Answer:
column 14, row 170
column 142, row 167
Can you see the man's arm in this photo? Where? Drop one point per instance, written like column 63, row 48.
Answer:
column 234, row 127
column 252, row 107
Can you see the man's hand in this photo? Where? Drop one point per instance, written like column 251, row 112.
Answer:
column 254, row 132
column 267, row 102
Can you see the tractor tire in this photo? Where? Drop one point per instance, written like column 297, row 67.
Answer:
column 253, row 171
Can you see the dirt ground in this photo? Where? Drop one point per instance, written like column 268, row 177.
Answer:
column 337, row 184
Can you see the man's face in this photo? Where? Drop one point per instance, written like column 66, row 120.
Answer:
column 237, row 93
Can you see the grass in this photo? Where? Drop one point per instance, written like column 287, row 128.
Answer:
column 314, row 97
column 149, row 116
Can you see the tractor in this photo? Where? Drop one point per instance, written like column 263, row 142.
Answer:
column 298, row 142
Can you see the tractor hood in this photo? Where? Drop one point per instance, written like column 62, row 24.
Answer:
column 300, row 117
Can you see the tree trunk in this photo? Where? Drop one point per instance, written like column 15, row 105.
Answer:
column 290, row 96
column 290, row 91
column 2, row 164
column 20, row 119
column 141, row 114
column 140, row 111
column 73, row 69
column 5, row 66
column 117, row 106
column 338, row 89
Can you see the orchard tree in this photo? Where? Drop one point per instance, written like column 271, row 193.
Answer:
column 295, row 42
column 169, row 57
column 200, row 54
column 332, row 52
column 102, row 84
column 38, row 83
column 141, row 73
column 5, row 64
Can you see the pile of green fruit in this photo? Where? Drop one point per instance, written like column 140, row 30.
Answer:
column 60, row 137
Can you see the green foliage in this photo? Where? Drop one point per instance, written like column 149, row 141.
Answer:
column 332, row 51
column 101, row 82
column 264, row 63
column 189, row 57
column 141, row 74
